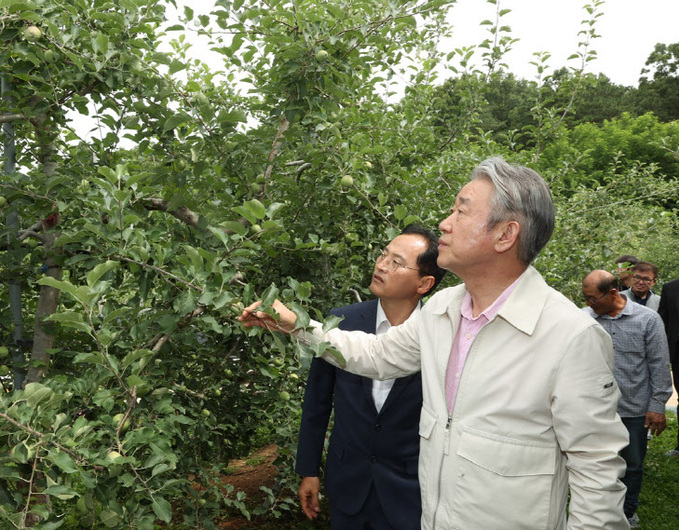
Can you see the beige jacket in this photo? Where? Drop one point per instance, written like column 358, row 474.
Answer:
column 535, row 412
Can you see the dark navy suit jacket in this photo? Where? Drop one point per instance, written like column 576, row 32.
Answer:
column 366, row 447
column 669, row 312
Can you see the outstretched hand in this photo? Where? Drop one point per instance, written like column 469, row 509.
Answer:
column 250, row 317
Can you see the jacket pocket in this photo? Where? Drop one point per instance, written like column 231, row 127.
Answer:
column 427, row 422
column 428, row 457
column 502, row 480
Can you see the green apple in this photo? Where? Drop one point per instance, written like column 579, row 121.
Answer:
column 113, row 456
column 4, row 352
column 256, row 228
column 205, row 413
column 284, row 396
column 4, row 370
column 322, row 56
column 260, row 179
column 3, row 201
column 32, row 33
column 255, row 188
column 117, row 419
column 347, row 181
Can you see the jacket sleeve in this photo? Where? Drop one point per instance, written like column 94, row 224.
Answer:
column 390, row 355
column 658, row 360
column 590, row 432
column 316, row 409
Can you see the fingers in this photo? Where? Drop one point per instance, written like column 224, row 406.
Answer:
column 309, row 496
column 655, row 422
column 250, row 317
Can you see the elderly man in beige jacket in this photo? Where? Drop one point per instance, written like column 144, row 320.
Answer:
column 519, row 400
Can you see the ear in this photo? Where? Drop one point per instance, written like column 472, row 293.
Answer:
column 426, row 283
column 508, row 236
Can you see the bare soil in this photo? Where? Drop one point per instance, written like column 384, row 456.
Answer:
column 248, row 475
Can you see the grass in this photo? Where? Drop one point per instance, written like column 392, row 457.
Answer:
column 658, row 507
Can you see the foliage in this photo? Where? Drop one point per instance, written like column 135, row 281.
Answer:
column 206, row 188
column 622, row 143
column 660, row 94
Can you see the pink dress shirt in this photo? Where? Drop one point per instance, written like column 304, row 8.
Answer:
column 466, row 333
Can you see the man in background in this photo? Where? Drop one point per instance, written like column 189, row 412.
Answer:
column 625, row 265
column 642, row 371
column 371, row 469
column 668, row 309
column 644, row 276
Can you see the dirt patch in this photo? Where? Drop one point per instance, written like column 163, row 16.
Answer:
column 247, row 475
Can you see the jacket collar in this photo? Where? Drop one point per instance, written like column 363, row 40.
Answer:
column 521, row 310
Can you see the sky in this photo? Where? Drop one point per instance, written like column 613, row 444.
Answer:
column 629, row 31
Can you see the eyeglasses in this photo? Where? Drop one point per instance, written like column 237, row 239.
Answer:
column 391, row 264
column 638, row 278
column 592, row 300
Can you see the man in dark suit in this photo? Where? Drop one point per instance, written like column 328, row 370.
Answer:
column 669, row 312
column 371, row 469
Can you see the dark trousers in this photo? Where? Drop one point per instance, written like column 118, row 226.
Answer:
column 369, row 517
column 634, row 455
column 675, row 376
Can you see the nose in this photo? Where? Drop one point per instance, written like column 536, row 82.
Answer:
column 444, row 225
column 382, row 266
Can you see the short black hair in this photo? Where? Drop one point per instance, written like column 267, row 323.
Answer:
column 642, row 266
column 426, row 261
column 626, row 258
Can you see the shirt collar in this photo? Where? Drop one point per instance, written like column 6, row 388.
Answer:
column 490, row 311
column 382, row 320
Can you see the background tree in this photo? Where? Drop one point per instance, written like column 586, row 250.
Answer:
column 659, row 82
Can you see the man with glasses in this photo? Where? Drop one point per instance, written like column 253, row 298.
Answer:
column 644, row 276
column 642, row 371
column 371, row 468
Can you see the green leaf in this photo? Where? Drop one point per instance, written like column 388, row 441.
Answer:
column 135, row 355
column 61, row 492
column 162, row 509
column 62, row 285
column 195, row 257
column 9, row 472
column 71, row 320
column 174, row 121
column 269, row 296
column 63, row 461
column 99, row 271
column 252, row 210
column 331, row 323
column 110, row 518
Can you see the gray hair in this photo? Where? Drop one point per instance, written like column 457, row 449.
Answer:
column 521, row 195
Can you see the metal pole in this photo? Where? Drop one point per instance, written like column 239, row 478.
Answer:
column 18, row 360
